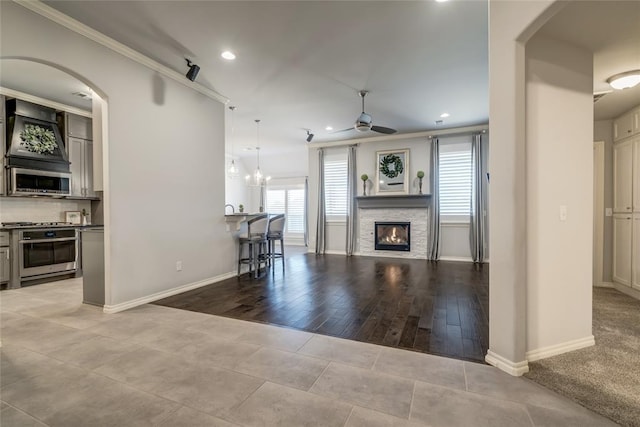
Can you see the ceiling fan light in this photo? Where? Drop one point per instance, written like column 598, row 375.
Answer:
column 624, row 80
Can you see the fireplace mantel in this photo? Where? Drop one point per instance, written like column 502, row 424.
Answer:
column 394, row 201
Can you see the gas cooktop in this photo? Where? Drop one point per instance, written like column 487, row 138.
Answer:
column 28, row 224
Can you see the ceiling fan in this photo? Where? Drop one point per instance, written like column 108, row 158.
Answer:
column 365, row 123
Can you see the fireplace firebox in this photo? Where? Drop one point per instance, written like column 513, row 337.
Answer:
column 393, row 236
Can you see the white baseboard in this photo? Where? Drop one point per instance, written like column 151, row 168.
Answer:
column 110, row 309
column 456, row 258
column 603, row 285
column 335, row 253
column 633, row 293
column 516, row 369
column 565, row 347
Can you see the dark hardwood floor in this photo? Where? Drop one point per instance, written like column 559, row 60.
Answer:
column 439, row 308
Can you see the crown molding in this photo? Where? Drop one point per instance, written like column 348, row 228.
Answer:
column 76, row 26
column 424, row 134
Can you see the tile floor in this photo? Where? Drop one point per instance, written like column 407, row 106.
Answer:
column 68, row 364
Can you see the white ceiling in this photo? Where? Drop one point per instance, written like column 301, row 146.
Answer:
column 300, row 64
column 611, row 30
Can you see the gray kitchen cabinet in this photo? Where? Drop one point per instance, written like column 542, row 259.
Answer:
column 5, row 261
column 78, row 126
column 78, row 132
column 80, row 153
column 93, row 266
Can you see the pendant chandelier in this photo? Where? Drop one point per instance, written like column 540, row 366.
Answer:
column 233, row 170
column 257, row 178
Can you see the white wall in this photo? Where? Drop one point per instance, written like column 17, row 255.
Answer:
column 603, row 131
column 164, row 162
column 419, row 151
column 509, row 24
column 454, row 237
column 559, row 155
column 365, row 163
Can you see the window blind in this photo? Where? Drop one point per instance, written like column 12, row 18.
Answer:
column 456, row 182
column 295, row 211
column 291, row 203
column 335, row 187
column 275, row 201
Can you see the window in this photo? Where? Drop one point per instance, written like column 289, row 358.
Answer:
column 335, row 187
column 295, row 211
column 456, row 179
column 275, row 201
column 289, row 201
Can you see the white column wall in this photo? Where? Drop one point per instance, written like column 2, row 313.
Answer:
column 164, row 162
column 508, row 21
column 559, row 165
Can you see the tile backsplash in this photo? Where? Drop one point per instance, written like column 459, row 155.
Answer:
column 38, row 209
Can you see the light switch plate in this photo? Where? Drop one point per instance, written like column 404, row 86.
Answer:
column 563, row 213
column 608, row 212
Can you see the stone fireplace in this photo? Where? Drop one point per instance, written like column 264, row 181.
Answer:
column 392, row 236
column 376, row 213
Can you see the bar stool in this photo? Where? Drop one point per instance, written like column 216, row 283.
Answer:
column 253, row 235
column 275, row 233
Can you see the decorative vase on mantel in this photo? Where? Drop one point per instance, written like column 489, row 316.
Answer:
column 364, row 177
column 420, row 176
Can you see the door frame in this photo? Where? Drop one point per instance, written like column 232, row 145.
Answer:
column 598, row 212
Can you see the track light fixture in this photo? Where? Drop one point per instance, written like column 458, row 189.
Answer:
column 309, row 136
column 193, row 70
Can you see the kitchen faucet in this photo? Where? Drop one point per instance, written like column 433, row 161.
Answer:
column 233, row 210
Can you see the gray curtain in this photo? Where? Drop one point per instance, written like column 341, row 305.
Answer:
column 478, row 200
column 322, row 220
column 306, row 211
column 433, row 249
column 352, row 191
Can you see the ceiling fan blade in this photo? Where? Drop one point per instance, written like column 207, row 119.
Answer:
column 343, row 130
column 382, row 129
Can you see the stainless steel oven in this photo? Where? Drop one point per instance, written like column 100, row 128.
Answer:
column 47, row 252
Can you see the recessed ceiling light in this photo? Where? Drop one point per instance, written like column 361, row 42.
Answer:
column 328, row 128
column 624, row 80
column 444, row 115
column 441, row 1
column 228, row 55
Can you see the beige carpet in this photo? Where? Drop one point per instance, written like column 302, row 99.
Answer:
column 604, row 378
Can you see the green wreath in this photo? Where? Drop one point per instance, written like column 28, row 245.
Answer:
column 38, row 139
column 389, row 160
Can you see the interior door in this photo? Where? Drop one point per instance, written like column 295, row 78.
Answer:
column 622, row 163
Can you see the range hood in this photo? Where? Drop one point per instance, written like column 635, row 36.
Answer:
column 33, row 138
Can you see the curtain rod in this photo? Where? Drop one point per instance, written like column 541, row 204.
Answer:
column 423, row 134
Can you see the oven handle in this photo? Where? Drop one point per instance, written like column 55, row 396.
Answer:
column 59, row 239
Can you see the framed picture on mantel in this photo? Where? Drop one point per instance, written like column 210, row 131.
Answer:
column 392, row 172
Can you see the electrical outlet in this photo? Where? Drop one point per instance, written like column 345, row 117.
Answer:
column 178, row 265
